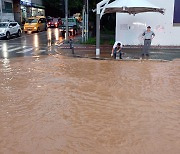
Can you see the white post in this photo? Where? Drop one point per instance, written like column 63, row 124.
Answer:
column 87, row 19
column 98, row 13
column 83, row 12
column 66, row 17
column 97, row 30
column 85, row 26
column 0, row 10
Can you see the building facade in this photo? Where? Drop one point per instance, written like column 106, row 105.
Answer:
column 6, row 10
column 129, row 28
column 20, row 10
column 27, row 8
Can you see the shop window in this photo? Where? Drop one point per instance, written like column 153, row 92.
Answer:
column 7, row 7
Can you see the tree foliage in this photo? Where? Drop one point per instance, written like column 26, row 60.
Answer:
column 56, row 8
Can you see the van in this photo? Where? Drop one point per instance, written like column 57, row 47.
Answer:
column 35, row 24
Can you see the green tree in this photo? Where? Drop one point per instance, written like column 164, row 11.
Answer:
column 54, row 8
column 75, row 6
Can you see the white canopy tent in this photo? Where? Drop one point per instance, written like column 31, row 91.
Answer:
column 122, row 6
column 132, row 7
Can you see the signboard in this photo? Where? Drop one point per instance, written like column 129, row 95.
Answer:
column 176, row 20
column 26, row 2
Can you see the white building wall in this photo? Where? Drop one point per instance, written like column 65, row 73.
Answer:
column 0, row 9
column 6, row 16
column 129, row 28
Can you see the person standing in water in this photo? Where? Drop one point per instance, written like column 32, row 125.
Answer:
column 148, row 36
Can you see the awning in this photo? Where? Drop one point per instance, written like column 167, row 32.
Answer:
column 132, row 7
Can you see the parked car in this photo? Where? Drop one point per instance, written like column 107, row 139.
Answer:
column 54, row 22
column 7, row 29
column 35, row 24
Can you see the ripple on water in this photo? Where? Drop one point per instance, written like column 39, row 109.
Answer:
column 65, row 105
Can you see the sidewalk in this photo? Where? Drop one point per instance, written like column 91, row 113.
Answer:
column 130, row 52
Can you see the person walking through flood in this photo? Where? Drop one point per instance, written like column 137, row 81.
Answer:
column 116, row 53
column 148, row 35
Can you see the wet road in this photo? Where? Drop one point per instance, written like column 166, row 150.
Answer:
column 62, row 105
column 30, row 44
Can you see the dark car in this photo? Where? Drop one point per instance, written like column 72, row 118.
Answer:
column 54, row 22
column 72, row 29
column 73, row 26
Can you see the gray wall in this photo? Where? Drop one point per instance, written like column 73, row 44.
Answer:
column 6, row 16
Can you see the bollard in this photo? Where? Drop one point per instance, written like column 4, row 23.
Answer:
column 72, row 50
column 71, row 45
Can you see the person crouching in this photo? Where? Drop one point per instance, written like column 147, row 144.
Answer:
column 117, row 54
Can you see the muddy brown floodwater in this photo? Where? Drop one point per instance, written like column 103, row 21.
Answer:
column 63, row 105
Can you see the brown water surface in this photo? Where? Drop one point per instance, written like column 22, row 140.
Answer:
column 63, row 105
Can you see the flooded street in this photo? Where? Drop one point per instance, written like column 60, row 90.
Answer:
column 64, row 105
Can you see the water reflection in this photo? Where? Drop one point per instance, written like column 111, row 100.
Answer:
column 4, row 50
column 36, row 40
column 6, row 65
column 7, row 72
column 49, row 37
column 56, row 31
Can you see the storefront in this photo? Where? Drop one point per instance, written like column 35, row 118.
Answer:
column 31, row 8
column 129, row 28
column 28, row 8
column 25, row 9
column 37, row 11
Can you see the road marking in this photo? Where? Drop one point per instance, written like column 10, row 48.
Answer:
column 6, row 47
column 42, row 50
column 14, row 49
column 25, row 36
column 25, row 51
column 39, row 52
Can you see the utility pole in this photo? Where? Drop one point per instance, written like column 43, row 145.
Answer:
column 99, row 14
column 66, row 17
column 87, row 18
column 83, row 25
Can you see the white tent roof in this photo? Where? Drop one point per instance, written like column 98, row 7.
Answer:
column 132, row 7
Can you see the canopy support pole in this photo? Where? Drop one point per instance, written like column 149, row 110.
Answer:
column 99, row 14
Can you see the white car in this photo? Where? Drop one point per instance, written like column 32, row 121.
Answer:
column 7, row 29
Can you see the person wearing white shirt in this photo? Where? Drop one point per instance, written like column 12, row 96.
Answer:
column 148, row 36
column 115, row 45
